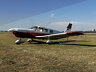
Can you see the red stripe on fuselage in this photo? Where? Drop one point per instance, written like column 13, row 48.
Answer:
column 28, row 34
column 74, row 33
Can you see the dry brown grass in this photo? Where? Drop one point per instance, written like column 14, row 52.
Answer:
column 76, row 55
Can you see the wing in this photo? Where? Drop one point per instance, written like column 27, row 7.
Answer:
column 53, row 36
column 60, row 35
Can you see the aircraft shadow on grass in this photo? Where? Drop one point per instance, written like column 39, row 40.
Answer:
column 65, row 43
column 82, row 45
column 55, row 42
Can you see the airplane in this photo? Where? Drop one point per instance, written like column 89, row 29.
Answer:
column 38, row 32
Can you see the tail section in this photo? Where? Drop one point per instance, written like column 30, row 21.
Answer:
column 68, row 28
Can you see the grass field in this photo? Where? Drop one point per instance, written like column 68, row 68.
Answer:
column 76, row 55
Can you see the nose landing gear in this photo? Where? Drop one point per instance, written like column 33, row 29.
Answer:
column 19, row 41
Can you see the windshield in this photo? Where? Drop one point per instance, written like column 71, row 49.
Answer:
column 34, row 28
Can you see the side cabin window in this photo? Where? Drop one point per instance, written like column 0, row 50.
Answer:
column 51, row 31
column 41, row 29
column 46, row 30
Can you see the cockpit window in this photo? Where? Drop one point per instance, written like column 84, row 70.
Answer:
column 34, row 28
column 41, row 29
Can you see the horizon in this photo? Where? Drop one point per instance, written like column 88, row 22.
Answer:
column 53, row 14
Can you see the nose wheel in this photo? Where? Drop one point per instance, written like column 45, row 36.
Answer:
column 19, row 41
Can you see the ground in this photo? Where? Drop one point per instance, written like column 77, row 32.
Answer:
column 78, row 54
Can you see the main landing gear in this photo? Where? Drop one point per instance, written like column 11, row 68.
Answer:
column 49, row 42
column 29, row 40
column 19, row 41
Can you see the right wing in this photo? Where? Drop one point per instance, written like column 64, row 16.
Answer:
column 59, row 35
column 53, row 36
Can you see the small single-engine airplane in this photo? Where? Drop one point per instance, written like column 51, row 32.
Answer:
column 38, row 32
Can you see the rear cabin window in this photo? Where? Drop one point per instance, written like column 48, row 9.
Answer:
column 51, row 31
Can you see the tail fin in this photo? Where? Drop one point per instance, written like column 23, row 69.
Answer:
column 69, row 27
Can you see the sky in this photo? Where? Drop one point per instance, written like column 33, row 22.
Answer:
column 54, row 14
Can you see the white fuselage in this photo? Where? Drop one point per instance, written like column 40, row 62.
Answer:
column 32, row 32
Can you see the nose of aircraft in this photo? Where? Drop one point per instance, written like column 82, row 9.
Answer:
column 12, row 29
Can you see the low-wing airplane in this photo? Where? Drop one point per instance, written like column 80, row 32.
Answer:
column 38, row 32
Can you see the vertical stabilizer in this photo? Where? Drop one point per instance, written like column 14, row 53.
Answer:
column 69, row 27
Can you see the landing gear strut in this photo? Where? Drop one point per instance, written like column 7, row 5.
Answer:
column 49, row 42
